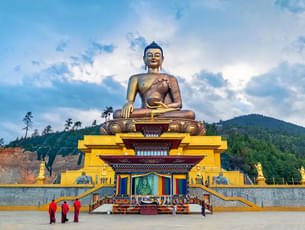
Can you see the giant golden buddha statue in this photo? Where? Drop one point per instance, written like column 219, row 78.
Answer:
column 160, row 96
column 159, row 92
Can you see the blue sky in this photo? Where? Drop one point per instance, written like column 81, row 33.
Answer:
column 64, row 58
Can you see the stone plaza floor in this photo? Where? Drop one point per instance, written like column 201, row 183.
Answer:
column 32, row 220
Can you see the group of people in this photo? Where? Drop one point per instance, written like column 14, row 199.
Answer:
column 64, row 211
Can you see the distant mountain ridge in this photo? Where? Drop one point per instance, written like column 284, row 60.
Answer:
column 62, row 143
column 265, row 122
column 285, row 136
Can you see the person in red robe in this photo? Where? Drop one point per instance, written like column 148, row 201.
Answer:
column 52, row 211
column 64, row 212
column 77, row 206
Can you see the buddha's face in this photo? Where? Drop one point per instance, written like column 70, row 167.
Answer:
column 153, row 58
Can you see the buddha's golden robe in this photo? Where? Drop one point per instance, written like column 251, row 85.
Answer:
column 155, row 88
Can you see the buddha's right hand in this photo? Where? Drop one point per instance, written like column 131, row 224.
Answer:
column 127, row 109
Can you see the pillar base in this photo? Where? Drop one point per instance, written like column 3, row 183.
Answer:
column 261, row 181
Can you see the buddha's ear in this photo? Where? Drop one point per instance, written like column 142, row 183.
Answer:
column 144, row 62
column 161, row 62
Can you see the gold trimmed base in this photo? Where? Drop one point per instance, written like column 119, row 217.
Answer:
column 194, row 128
column 261, row 180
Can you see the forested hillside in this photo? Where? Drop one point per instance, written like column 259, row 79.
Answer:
column 58, row 143
column 278, row 145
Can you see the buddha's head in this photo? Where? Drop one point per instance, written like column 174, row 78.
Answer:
column 153, row 56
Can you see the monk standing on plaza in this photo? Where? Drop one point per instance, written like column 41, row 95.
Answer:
column 203, row 208
column 77, row 206
column 52, row 211
column 64, row 212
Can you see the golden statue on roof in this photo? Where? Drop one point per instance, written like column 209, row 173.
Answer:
column 260, row 176
column 302, row 172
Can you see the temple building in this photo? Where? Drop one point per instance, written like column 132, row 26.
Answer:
column 109, row 158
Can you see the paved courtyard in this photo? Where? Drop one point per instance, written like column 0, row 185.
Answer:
column 31, row 220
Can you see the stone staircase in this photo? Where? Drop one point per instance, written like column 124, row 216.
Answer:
column 229, row 203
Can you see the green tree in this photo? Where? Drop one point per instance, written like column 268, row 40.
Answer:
column 104, row 115
column 211, row 129
column 1, row 142
column 110, row 111
column 77, row 125
column 28, row 122
column 47, row 130
column 35, row 133
column 107, row 112
column 68, row 124
column 94, row 123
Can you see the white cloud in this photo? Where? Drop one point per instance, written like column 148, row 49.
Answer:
column 11, row 130
column 211, row 103
column 239, row 74
column 121, row 63
column 58, row 117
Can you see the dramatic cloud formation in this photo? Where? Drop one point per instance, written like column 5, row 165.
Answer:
column 63, row 59
column 54, row 101
column 280, row 92
column 211, row 97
